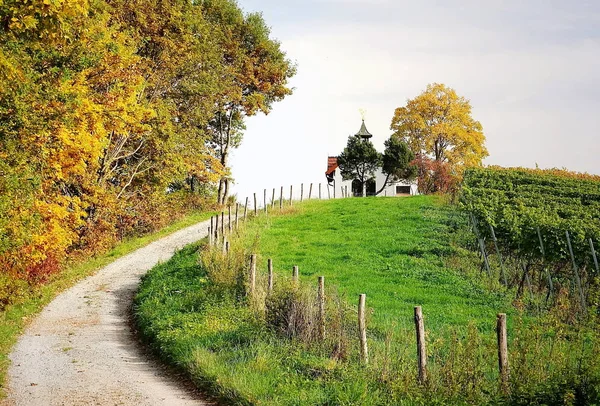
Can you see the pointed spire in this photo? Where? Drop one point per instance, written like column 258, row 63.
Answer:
column 364, row 133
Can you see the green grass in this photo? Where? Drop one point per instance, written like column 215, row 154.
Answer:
column 15, row 317
column 393, row 250
column 401, row 253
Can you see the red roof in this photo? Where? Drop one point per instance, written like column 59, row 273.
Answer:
column 331, row 164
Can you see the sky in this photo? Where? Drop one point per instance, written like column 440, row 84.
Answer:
column 531, row 70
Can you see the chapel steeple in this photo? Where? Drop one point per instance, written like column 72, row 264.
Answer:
column 363, row 132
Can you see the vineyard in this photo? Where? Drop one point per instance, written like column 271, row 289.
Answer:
column 544, row 223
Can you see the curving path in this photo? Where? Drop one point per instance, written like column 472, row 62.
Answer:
column 80, row 350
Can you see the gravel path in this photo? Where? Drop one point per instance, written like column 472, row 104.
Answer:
column 81, row 351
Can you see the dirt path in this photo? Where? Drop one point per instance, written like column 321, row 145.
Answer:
column 81, row 351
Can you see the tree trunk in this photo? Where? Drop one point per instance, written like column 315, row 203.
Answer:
column 385, row 184
column 223, row 182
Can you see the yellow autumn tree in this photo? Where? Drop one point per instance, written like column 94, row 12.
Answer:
column 439, row 128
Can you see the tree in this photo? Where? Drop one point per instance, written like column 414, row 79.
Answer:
column 397, row 162
column 254, row 75
column 359, row 160
column 437, row 125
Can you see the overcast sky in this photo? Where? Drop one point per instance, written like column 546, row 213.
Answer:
column 531, row 70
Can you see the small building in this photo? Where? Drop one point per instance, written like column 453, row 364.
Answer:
column 354, row 187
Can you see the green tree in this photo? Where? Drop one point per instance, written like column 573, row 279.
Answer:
column 397, row 162
column 359, row 161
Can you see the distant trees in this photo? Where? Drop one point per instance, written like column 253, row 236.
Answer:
column 397, row 162
column 360, row 160
column 113, row 111
column 438, row 127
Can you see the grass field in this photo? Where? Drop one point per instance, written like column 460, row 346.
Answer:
column 16, row 316
column 393, row 250
column 401, row 253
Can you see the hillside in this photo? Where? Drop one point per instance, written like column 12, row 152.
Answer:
column 254, row 346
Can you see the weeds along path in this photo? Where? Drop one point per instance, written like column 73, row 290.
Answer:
column 80, row 349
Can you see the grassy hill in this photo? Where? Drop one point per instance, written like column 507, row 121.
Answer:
column 263, row 350
column 394, row 250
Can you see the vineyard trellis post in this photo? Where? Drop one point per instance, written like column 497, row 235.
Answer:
column 319, row 191
column 499, row 255
column 543, row 251
column 273, row 199
column 310, row 191
column 594, row 255
column 255, row 206
column 246, row 209
column 291, row 195
column 576, row 271
column 301, row 192
column 295, row 275
column 481, row 243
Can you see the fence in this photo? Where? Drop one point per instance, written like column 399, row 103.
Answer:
column 218, row 235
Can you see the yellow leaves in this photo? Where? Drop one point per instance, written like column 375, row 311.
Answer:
column 438, row 123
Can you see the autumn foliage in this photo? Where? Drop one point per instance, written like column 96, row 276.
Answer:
column 105, row 117
column 439, row 129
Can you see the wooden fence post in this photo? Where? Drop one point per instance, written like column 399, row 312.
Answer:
column 209, row 235
column 237, row 210
column 577, row 279
column 216, row 230
column 273, row 199
column 319, row 191
column 310, row 191
column 281, row 199
column 246, row 209
column 502, row 351
column 295, row 275
column 229, row 218
column 252, row 275
column 222, row 223
column 255, row 206
column 421, row 350
column 594, row 255
column 291, row 195
column 211, row 230
column 270, row 268
column 301, row 192
column 265, row 200
column 362, row 329
column 321, row 299
column 328, row 192
column 225, row 246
